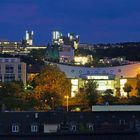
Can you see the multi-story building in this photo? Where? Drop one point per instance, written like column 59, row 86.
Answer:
column 9, row 46
column 113, row 78
column 71, row 39
column 56, row 36
column 66, row 54
column 12, row 69
column 29, row 37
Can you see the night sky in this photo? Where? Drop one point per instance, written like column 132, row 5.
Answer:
column 96, row 21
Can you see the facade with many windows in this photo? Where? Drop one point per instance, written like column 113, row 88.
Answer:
column 113, row 78
column 12, row 69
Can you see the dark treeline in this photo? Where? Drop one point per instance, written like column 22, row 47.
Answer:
column 128, row 50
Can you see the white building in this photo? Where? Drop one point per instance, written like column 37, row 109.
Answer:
column 66, row 54
column 12, row 69
column 29, row 37
column 106, row 77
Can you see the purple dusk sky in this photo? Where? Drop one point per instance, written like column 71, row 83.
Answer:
column 96, row 21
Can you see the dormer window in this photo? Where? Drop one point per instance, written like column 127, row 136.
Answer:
column 34, row 128
column 73, row 127
column 15, row 128
column 91, row 127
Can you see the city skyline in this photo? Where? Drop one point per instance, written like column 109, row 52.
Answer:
column 98, row 21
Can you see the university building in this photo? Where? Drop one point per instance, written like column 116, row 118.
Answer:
column 106, row 77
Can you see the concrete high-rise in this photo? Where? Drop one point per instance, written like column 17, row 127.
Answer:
column 29, row 37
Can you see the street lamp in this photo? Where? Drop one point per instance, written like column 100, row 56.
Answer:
column 67, row 99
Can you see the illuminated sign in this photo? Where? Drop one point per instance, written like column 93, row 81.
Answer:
column 98, row 77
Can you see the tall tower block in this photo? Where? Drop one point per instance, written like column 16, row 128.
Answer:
column 29, row 37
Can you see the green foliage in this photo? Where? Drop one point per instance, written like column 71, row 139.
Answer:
column 108, row 92
column 130, row 50
column 79, row 100
column 82, row 127
column 48, row 91
column 11, row 89
column 138, row 87
column 38, row 54
column 134, row 100
column 127, row 88
column 52, row 83
column 83, row 52
column 10, row 94
column 91, row 92
column 108, row 97
column 32, row 60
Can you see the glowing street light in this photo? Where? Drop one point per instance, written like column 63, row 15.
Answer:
column 67, row 99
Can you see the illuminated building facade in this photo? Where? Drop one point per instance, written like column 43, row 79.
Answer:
column 9, row 46
column 71, row 39
column 12, row 69
column 106, row 77
column 82, row 60
column 56, row 36
column 29, row 37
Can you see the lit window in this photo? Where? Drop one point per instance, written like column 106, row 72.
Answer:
column 34, row 128
column 15, row 128
column 90, row 127
column 73, row 128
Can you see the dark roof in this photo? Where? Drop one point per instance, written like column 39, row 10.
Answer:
column 57, row 117
column 26, row 119
column 118, row 136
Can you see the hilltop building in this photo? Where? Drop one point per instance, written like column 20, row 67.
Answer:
column 61, row 40
column 62, row 48
column 29, row 37
column 9, row 46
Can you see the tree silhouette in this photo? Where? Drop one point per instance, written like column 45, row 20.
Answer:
column 91, row 92
column 127, row 88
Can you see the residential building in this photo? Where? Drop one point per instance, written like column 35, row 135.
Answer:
column 68, row 123
column 12, row 69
